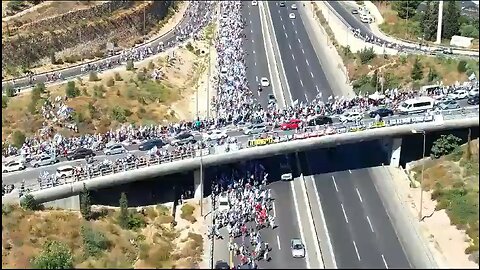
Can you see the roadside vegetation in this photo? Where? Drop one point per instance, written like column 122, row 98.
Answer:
column 96, row 238
column 108, row 100
column 452, row 175
column 368, row 72
column 403, row 20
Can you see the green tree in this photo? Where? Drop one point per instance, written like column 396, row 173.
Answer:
column 40, row 87
column 374, row 79
column 18, row 138
column 71, row 90
column 444, row 145
column 468, row 30
column 9, row 90
column 85, row 203
column 432, row 74
column 55, row 255
column 94, row 242
column 462, row 66
column 406, row 9
column 429, row 20
column 417, row 70
column 130, row 65
column 28, row 202
column 366, row 54
column 451, row 16
column 52, row 57
column 123, row 217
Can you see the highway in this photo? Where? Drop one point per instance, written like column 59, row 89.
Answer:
column 255, row 57
column 305, row 76
column 360, row 230
column 70, row 72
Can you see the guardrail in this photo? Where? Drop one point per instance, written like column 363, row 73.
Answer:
column 304, row 133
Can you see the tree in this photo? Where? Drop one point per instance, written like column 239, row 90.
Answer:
column 366, row 54
column 130, row 65
column 468, row 30
column 406, row 9
column 432, row 74
column 71, row 90
column 468, row 151
column 29, row 203
column 451, row 22
column 85, row 203
column 429, row 20
column 18, row 138
column 40, row 87
column 55, row 255
column 9, row 90
column 417, row 70
column 374, row 79
column 444, row 145
column 124, row 214
column 462, row 66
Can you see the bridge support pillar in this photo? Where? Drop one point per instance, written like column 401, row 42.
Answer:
column 396, row 150
column 196, row 184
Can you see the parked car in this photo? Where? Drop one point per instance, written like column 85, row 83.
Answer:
column 473, row 100
column 473, row 92
column 65, row 171
column 458, row 94
column 350, row 117
column 448, row 105
column 44, row 161
column 292, row 124
column 271, row 98
column 80, row 153
column 320, row 121
column 147, row 145
column 255, row 129
column 264, row 82
column 114, row 149
column 298, row 248
column 382, row 112
column 183, row 138
column 213, row 135
column 14, row 165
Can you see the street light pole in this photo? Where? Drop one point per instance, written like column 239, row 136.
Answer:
column 420, row 212
column 201, row 182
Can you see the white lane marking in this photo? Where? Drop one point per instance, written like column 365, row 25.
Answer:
column 286, row 34
column 307, row 261
column 299, row 41
column 296, row 67
column 303, row 51
column 301, row 82
column 283, row 25
column 306, row 61
column 252, row 40
column 253, row 50
column 334, row 183
column 274, row 212
column 279, row 12
column 356, row 250
column 350, row 171
column 359, row 196
column 306, row 98
column 311, row 74
column 293, row 56
column 256, row 78
column 290, row 47
column 324, row 224
column 278, row 242
column 250, row 22
column 384, row 262
column 370, row 224
column 344, row 214
column 251, row 31
column 255, row 63
column 281, row 18
column 316, row 87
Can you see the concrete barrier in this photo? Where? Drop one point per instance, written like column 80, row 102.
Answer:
column 68, row 190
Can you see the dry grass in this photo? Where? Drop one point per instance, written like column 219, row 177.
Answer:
column 148, row 102
column 25, row 232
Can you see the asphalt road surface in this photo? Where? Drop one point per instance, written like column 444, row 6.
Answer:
column 305, row 76
column 255, row 56
column 76, row 70
column 360, row 230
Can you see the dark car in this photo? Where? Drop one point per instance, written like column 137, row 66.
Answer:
column 80, row 153
column 320, row 120
column 147, row 145
column 222, row 265
column 382, row 112
column 282, row 4
column 354, row 11
column 473, row 100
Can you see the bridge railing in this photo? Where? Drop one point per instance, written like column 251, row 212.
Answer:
column 304, row 133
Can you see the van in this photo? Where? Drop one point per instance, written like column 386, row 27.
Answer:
column 65, row 171
column 416, row 105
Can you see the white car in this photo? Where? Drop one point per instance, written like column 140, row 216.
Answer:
column 264, row 82
column 214, row 135
column 298, row 248
column 458, row 94
column 350, row 117
column 115, row 149
column 291, row 15
column 65, row 171
column 473, row 92
column 223, row 204
column 12, row 166
column 294, row 6
column 254, row 3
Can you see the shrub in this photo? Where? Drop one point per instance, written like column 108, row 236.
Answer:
column 9, row 90
column 444, row 145
column 85, row 203
column 366, row 55
column 4, row 102
column 187, row 213
column 189, row 47
column 141, row 76
column 94, row 242
column 462, row 66
column 151, row 65
column 130, row 65
column 118, row 77
column 120, row 114
column 71, row 90
column 417, row 72
column 93, row 76
column 110, row 82
column 55, row 255
column 29, row 203
column 136, row 221
column 18, row 138
column 6, row 209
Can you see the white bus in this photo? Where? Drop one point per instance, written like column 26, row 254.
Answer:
column 416, row 105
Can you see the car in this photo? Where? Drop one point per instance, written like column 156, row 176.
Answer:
column 292, row 124
column 350, row 117
column 320, row 120
column 458, row 94
column 282, row 4
column 473, row 100
column 298, row 248
column 222, row 265
column 448, row 105
column 147, row 145
column 271, row 98
column 382, row 112
column 12, row 166
column 354, row 11
column 473, row 92
column 447, row 51
column 223, row 203
column 183, row 138
column 43, row 161
column 254, row 3
column 213, row 135
column 80, row 153
column 114, row 149
column 291, row 15
column 294, row 6
column 65, row 171
column 264, row 82
column 255, row 129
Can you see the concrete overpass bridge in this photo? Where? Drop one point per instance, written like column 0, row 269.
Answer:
column 390, row 138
